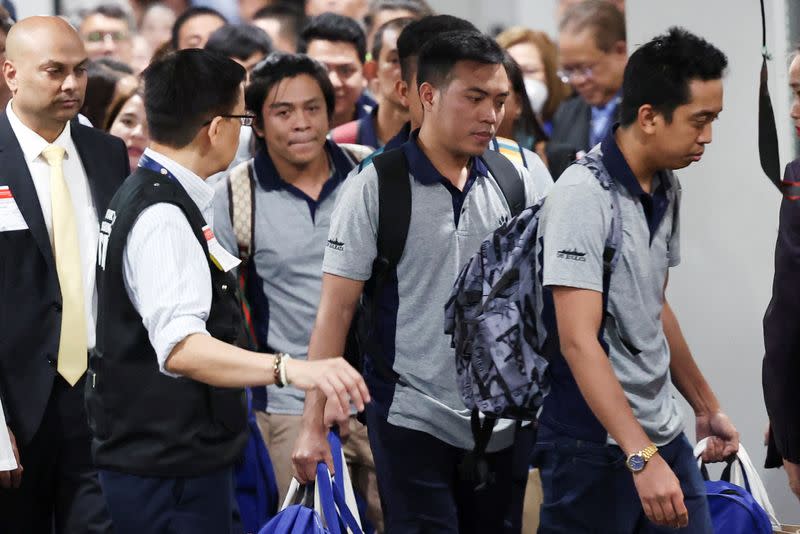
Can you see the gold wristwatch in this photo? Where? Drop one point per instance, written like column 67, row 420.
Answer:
column 638, row 460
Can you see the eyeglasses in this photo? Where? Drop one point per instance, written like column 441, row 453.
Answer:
column 246, row 120
column 568, row 74
column 98, row 36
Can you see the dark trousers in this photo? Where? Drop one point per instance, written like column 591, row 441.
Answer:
column 588, row 488
column 60, row 491
column 202, row 504
column 422, row 491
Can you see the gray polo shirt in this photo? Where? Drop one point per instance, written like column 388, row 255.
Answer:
column 575, row 223
column 290, row 230
column 447, row 227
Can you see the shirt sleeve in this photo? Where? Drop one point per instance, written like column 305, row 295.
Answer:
column 674, row 245
column 575, row 225
column 352, row 240
column 167, row 278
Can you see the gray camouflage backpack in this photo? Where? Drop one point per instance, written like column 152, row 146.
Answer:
column 494, row 316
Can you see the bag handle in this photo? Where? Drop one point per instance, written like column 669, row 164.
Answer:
column 742, row 473
column 342, row 478
column 332, row 504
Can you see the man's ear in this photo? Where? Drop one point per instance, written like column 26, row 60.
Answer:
column 427, row 95
column 10, row 75
column 648, row 119
column 401, row 89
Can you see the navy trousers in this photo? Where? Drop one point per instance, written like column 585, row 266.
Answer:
column 588, row 488
column 423, row 493
column 200, row 505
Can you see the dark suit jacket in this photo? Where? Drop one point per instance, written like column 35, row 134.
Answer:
column 571, row 125
column 781, row 367
column 30, row 297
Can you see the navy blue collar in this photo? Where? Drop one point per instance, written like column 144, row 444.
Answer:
column 619, row 169
column 424, row 171
column 269, row 179
column 368, row 131
column 400, row 139
column 655, row 204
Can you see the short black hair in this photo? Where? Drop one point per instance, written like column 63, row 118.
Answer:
column 190, row 14
column 239, row 41
column 185, row 89
column 290, row 17
column 112, row 11
column 420, row 32
column 438, row 57
column 277, row 67
column 336, row 28
column 420, row 8
column 658, row 73
column 394, row 24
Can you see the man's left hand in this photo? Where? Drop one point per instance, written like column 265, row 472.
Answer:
column 723, row 438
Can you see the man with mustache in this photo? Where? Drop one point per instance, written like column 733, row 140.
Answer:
column 295, row 177
column 419, row 429
column 58, row 176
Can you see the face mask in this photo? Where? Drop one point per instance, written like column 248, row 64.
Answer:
column 537, row 94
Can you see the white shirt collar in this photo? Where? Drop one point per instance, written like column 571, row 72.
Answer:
column 199, row 191
column 32, row 143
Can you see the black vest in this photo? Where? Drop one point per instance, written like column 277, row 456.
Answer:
column 144, row 422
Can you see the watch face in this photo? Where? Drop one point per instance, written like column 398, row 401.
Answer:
column 636, row 463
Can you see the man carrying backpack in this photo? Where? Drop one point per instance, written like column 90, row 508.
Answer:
column 610, row 233
column 449, row 197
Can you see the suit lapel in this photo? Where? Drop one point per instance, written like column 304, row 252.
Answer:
column 17, row 176
column 101, row 179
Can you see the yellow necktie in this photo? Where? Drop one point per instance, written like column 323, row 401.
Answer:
column 67, row 252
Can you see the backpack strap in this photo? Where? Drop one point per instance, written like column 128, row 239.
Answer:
column 394, row 206
column 241, row 204
column 394, row 217
column 507, row 177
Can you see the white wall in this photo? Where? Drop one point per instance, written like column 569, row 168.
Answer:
column 536, row 14
column 730, row 215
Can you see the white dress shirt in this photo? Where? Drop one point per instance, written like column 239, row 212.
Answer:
column 85, row 213
column 165, row 269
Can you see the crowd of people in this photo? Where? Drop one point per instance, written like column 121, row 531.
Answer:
column 224, row 225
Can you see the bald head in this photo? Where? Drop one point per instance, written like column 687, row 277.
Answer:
column 45, row 68
column 38, row 35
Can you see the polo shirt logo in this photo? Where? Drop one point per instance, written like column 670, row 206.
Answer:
column 335, row 244
column 573, row 255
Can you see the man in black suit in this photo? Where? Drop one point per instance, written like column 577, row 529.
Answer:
column 781, row 367
column 57, row 179
column 593, row 56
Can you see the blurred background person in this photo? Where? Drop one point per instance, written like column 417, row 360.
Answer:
column 126, row 119
column 106, row 31
column 283, row 23
column 537, row 56
column 565, row 5
column 355, row 9
column 339, row 43
column 156, row 26
column 593, row 55
column 5, row 26
column 389, row 116
column 520, row 122
column 106, row 80
column 246, row 44
column 382, row 11
column 193, row 27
